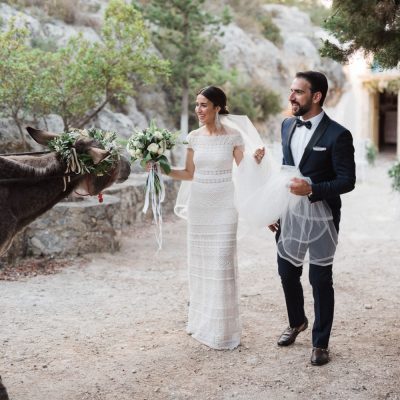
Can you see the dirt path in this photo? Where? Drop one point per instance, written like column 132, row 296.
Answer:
column 112, row 326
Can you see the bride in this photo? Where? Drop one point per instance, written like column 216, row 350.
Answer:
column 208, row 204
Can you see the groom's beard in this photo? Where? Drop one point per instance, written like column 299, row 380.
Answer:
column 299, row 110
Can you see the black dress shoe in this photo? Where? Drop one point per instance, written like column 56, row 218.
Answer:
column 319, row 356
column 289, row 334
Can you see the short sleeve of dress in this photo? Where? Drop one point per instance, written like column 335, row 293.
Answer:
column 189, row 140
column 238, row 141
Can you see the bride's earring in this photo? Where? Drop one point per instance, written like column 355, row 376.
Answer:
column 218, row 125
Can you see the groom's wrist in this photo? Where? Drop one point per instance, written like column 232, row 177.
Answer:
column 310, row 192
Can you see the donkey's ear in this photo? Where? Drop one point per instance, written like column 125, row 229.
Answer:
column 98, row 155
column 39, row 136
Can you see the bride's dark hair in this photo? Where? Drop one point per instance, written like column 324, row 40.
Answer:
column 216, row 96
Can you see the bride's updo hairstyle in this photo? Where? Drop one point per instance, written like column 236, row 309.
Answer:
column 216, row 96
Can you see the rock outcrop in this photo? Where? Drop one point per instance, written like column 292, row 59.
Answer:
column 260, row 60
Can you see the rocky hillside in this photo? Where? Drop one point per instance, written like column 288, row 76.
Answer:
column 257, row 59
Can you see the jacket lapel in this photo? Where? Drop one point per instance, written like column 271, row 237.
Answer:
column 289, row 155
column 321, row 128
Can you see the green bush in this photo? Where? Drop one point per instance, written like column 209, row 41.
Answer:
column 269, row 30
column 268, row 101
column 47, row 44
column 394, row 173
column 253, row 100
column 240, row 101
column 371, row 152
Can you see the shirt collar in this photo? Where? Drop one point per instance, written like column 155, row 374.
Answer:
column 315, row 120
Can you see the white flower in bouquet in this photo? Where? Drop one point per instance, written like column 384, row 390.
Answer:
column 158, row 134
column 153, row 148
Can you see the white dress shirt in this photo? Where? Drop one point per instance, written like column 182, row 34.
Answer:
column 301, row 137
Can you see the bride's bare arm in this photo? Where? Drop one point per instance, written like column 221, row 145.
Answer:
column 187, row 173
column 238, row 154
column 258, row 155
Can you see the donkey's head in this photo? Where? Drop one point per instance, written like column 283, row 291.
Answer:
column 103, row 166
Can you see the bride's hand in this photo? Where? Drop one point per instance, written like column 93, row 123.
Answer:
column 259, row 154
column 149, row 165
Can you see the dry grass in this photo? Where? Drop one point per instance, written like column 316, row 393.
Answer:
column 31, row 267
column 65, row 10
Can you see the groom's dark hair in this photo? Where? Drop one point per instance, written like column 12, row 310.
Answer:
column 318, row 83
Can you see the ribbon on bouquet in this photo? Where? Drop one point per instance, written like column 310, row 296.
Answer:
column 155, row 194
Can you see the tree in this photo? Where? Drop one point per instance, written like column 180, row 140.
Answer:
column 184, row 35
column 82, row 78
column 370, row 25
column 79, row 80
column 19, row 66
column 72, row 83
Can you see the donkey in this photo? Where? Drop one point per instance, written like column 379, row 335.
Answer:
column 32, row 183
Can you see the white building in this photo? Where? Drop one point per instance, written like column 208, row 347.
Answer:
column 370, row 105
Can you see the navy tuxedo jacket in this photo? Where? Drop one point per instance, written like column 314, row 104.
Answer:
column 328, row 160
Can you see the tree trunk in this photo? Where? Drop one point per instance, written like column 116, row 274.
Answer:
column 45, row 123
column 22, row 134
column 66, row 124
column 185, row 111
column 185, row 80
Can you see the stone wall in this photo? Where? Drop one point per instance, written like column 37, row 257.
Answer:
column 73, row 228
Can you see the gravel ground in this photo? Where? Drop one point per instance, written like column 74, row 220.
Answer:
column 112, row 326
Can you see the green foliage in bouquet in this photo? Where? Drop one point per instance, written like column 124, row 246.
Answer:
column 394, row 173
column 63, row 145
column 150, row 144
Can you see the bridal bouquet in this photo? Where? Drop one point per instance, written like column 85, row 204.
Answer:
column 150, row 145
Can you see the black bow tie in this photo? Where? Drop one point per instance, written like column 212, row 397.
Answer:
column 307, row 124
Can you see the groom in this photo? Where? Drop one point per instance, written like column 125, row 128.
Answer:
column 323, row 151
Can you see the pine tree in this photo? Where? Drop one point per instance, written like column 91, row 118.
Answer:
column 370, row 25
column 183, row 32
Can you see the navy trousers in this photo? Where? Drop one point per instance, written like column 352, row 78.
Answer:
column 320, row 278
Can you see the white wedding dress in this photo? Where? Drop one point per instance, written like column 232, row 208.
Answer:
column 212, row 225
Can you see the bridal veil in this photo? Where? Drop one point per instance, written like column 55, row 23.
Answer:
column 262, row 197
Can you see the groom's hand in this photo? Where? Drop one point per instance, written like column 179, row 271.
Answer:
column 300, row 187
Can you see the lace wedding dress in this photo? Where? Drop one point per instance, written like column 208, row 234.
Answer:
column 212, row 225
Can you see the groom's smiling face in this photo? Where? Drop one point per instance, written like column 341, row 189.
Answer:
column 301, row 97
